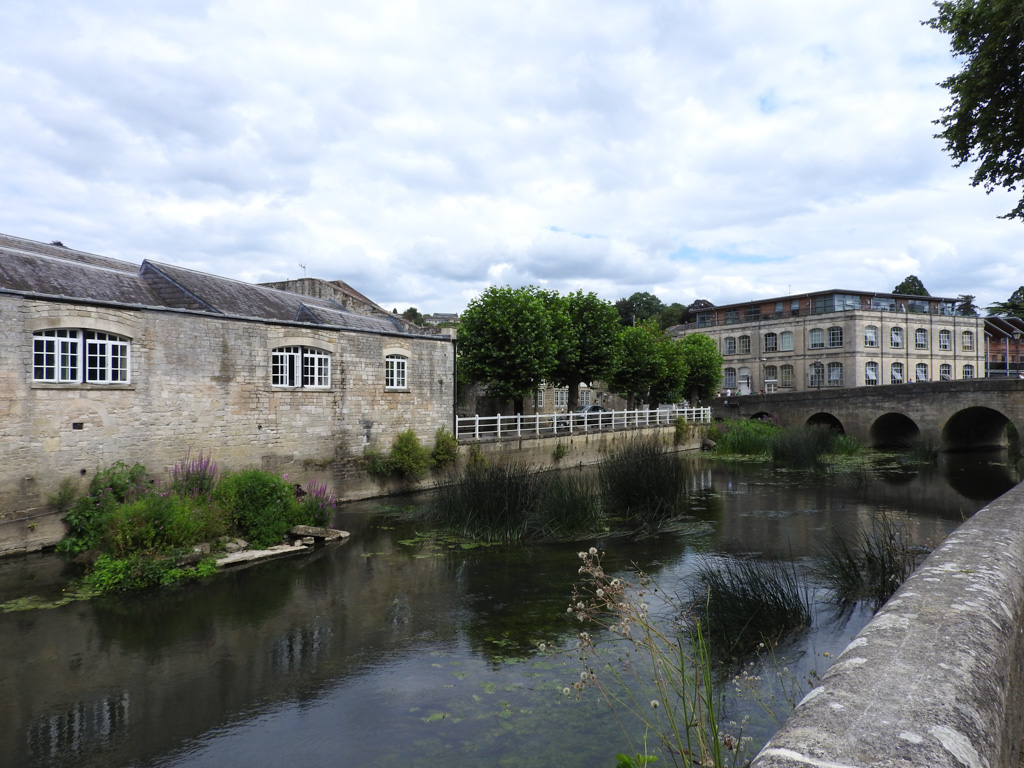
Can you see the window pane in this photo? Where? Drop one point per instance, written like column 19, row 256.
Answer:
column 835, row 374
column 817, row 338
column 786, row 376
column 921, row 338
column 945, row 372
column 394, row 373
column 896, row 373
column 968, row 371
column 835, row 336
column 786, row 341
column 871, row 336
column 945, row 339
column 744, row 345
column 968, row 341
column 871, row 374
column 896, row 337
column 921, row 372
column 730, row 345
column 771, row 342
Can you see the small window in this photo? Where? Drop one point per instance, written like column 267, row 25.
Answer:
column 771, row 342
column 870, row 374
column 538, row 400
column 395, row 373
column 835, row 374
column 896, row 338
column 299, row 367
column 786, row 376
column 817, row 338
column 744, row 345
column 786, row 341
column 968, row 371
column 921, row 372
column 584, row 397
column 771, row 373
column 835, row 336
column 562, row 398
column 896, row 373
column 729, row 378
column 817, row 377
column 967, row 342
column 945, row 339
column 945, row 372
column 871, row 336
column 730, row 345
column 75, row 356
column 921, row 338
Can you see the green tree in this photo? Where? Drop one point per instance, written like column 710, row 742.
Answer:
column 704, row 366
column 587, row 347
column 638, row 307
column 984, row 122
column 674, row 314
column 508, row 342
column 670, row 386
column 1013, row 306
column 413, row 316
column 639, row 362
column 965, row 305
column 911, row 286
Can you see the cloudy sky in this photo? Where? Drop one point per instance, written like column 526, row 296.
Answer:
column 422, row 151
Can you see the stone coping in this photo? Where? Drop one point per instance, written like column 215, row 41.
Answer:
column 935, row 678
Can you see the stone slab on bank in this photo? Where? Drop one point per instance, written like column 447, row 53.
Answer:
column 305, row 538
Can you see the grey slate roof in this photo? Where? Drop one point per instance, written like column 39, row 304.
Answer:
column 38, row 269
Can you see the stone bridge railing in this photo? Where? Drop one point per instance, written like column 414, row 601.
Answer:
column 936, row 678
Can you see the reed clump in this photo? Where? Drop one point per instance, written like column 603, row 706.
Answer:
column 642, row 484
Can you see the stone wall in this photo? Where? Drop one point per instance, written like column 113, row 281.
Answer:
column 200, row 383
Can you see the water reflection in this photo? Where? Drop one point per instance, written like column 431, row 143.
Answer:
column 389, row 651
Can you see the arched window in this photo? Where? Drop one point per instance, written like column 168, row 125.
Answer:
column 967, row 342
column 871, row 336
column 945, row 372
column 835, row 336
column 921, row 372
column 896, row 338
column 786, row 341
column 78, row 356
column 730, row 345
column 817, row 338
column 835, row 374
column 945, row 339
column 729, row 378
column 921, row 338
column 771, row 342
column 870, row 374
column 300, row 367
column 744, row 345
column 817, row 377
column 968, row 371
column 396, row 372
column 786, row 376
column 896, row 373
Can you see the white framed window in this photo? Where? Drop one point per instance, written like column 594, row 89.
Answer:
column 817, row 338
column 771, row 342
column 730, row 345
column 921, row 338
column 786, row 376
column 896, row 373
column 967, row 342
column 945, row 339
column 835, row 336
column 584, row 397
column 835, row 374
column 538, row 399
column 771, row 373
column 744, row 345
column 786, row 341
column 817, row 377
column 921, row 372
column 871, row 336
column 896, row 338
column 968, row 371
column 299, row 367
column 870, row 374
column 561, row 397
column 396, row 370
column 74, row 356
column 945, row 372
column 729, row 378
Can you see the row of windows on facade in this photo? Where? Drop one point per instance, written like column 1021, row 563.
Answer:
column 78, row 356
column 838, row 302
column 821, row 338
column 831, row 375
column 561, row 398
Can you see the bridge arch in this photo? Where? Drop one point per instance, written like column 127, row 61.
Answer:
column 822, row 419
column 763, row 416
column 975, row 428
column 894, row 431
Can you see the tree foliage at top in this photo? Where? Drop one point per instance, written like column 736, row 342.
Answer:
column 508, row 341
column 704, row 376
column 965, row 305
column 639, row 363
column 984, row 122
column 911, row 286
column 638, row 307
column 413, row 316
column 587, row 349
column 1013, row 306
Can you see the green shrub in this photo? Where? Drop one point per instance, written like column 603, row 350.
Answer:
column 89, row 518
column 560, row 452
column 261, row 505
column 410, row 459
column 318, row 505
column 446, row 449
column 378, row 463
column 141, row 571
column 744, row 437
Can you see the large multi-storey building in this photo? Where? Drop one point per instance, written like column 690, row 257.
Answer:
column 841, row 339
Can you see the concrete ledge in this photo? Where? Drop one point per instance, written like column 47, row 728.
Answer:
column 936, row 678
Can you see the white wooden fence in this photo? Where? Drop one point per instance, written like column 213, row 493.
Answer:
column 477, row 427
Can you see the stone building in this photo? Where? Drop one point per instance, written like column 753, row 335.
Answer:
column 841, row 339
column 109, row 361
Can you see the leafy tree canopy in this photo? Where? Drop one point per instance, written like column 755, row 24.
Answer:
column 638, row 307
column 911, row 286
column 965, row 305
column 984, row 123
column 413, row 316
column 1013, row 306
column 639, row 362
column 587, row 349
column 704, row 375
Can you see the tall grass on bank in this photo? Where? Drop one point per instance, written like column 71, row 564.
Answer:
column 871, row 567
column 743, row 437
column 804, row 446
column 744, row 602
column 642, row 484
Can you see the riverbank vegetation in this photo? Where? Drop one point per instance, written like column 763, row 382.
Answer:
column 131, row 532
column 803, row 446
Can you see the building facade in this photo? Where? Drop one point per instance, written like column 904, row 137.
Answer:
column 834, row 339
column 108, row 361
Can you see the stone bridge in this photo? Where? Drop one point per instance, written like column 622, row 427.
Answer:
column 950, row 415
